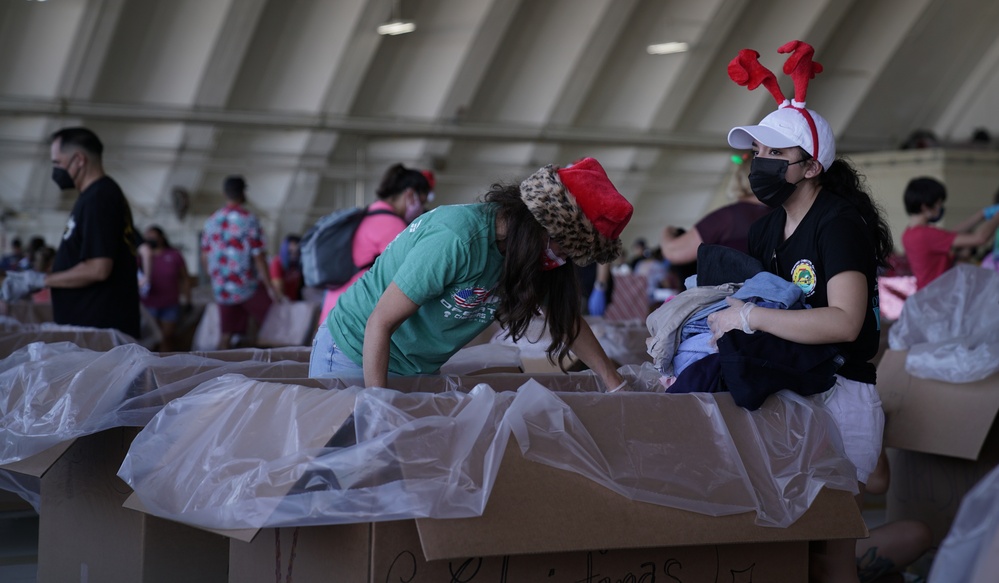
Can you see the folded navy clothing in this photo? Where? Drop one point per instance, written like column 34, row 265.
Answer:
column 717, row 264
column 700, row 376
column 755, row 366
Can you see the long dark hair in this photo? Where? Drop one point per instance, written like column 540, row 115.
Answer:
column 843, row 180
column 398, row 178
column 525, row 291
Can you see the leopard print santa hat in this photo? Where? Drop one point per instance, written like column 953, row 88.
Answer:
column 580, row 209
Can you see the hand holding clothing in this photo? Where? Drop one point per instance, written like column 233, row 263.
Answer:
column 725, row 320
column 21, row 284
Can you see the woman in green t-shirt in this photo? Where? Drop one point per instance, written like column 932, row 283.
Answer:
column 457, row 268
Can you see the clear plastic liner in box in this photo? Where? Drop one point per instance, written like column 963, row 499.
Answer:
column 27, row 487
column 15, row 335
column 51, row 393
column 951, row 327
column 964, row 553
column 237, row 453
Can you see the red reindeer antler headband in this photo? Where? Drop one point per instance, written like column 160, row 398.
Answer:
column 746, row 70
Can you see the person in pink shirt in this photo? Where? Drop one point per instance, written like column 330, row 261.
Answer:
column 404, row 192
column 167, row 279
column 930, row 250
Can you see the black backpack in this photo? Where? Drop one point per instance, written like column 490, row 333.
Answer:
column 328, row 248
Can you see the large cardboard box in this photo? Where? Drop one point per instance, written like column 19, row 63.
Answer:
column 941, row 439
column 546, row 524
column 392, row 551
column 86, row 535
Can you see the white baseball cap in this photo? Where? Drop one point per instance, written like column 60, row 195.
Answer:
column 787, row 127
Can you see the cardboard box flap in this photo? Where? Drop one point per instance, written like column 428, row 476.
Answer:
column 937, row 417
column 39, row 463
column 535, row 508
column 246, row 535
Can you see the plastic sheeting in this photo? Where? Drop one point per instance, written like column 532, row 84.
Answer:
column 27, row 487
column 623, row 341
column 951, row 327
column 963, row 554
column 475, row 358
column 15, row 335
column 239, row 454
column 50, row 393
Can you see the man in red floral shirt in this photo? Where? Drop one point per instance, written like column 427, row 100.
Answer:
column 233, row 252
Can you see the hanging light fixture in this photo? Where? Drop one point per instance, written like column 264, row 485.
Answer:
column 396, row 24
column 668, row 48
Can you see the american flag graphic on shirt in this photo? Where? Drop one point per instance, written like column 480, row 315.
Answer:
column 471, row 297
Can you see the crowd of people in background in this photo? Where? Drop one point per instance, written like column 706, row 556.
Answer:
column 245, row 283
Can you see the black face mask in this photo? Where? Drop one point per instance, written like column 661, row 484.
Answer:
column 939, row 216
column 766, row 178
column 153, row 243
column 62, row 178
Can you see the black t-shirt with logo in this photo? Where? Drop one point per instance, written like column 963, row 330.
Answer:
column 100, row 225
column 830, row 239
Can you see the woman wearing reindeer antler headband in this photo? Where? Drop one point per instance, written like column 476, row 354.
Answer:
column 827, row 236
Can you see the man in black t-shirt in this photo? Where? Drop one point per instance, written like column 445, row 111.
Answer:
column 94, row 278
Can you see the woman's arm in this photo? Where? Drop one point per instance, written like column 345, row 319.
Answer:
column 392, row 309
column 979, row 236
column 840, row 322
column 588, row 349
column 680, row 249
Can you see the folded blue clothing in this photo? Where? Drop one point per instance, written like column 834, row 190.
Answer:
column 772, row 288
column 763, row 289
column 691, row 350
column 693, row 327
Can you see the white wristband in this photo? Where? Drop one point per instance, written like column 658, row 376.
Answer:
column 744, row 313
column 619, row 387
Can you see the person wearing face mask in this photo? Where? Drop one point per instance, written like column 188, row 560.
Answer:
column 931, row 250
column 93, row 279
column 458, row 268
column 827, row 236
column 168, row 280
column 402, row 196
column 286, row 268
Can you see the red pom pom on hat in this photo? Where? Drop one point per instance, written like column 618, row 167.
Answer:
column 602, row 204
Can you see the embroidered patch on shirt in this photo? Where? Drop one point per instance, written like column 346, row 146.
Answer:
column 803, row 276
